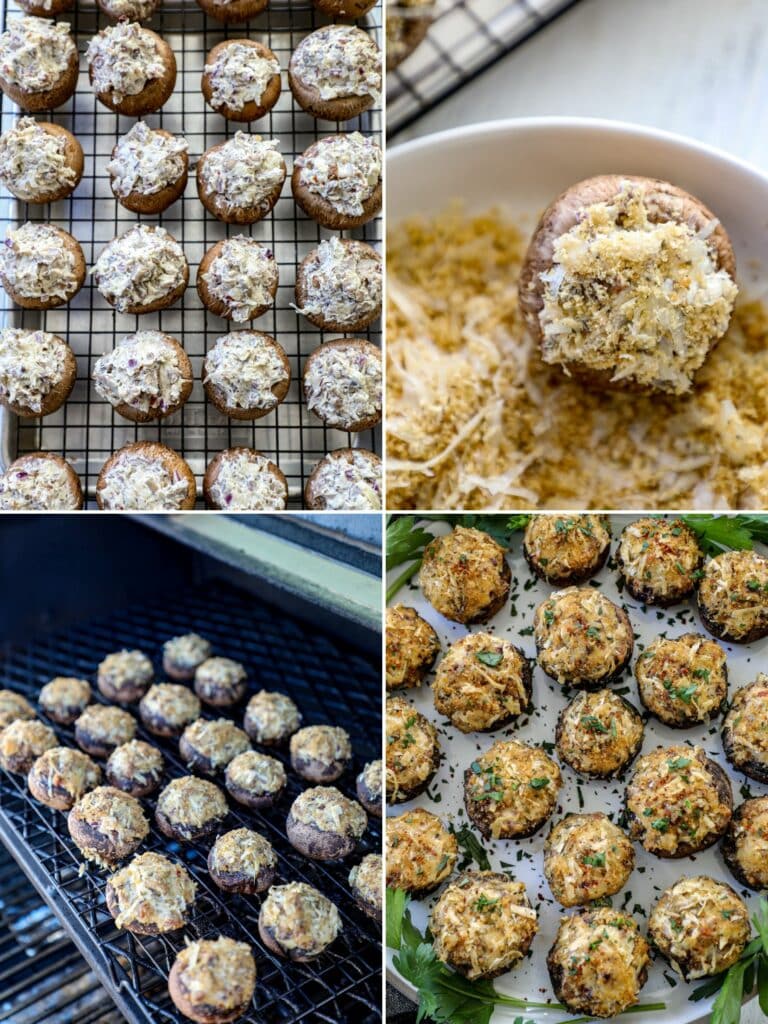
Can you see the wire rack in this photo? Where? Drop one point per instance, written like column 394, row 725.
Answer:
column 342, row 985
column 465, row 38
column 87, row 430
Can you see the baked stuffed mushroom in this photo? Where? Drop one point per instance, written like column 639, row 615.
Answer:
column 321, row 753
column 598, row 963
column 323, row 824
column 659, row 560
column 586, row 857
column 482, row 683
column 14, row 708
column 700, row 926
column 678, row 801
column 412, row 749
column 745, row 846
column 271, row 718
column 411, row 647
column 465, row 575
column 683, row 681
column 733, row 596
column 365, row 882
column 190, row 808
column 135, row 767
column 298, row 922
column 511, row 790
column 582, row 638
column 483, row 924
column 209, row 746
column 151, row 895
column 255, row 780
column 65, row 698
column 745, row 730
column 22, row 742
column 566, row 550
column 369, row 786
column 107, row 825
column 61, row 775
column 628, row 282
column 421, row 852
column 599, row 734
column 166, row 709
column 213, row 981
column 242, row 861
column 125, row 676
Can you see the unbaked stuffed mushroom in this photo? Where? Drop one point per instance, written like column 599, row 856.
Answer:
column 733, row 596
column 582, row 638
column 412, row 646
column 745, row 846
column 745, row 730
column 421, row 852
column 483, row 924
column 298, row 922
column 323, row 824
column 678, row 801
column 683, row 681
column 566, row 550
column 465, row 575
column 586, row 857
column 659, row 560
column 321, row 753
column 511, row 790
column 599, row 734
column 412, row 751
column 482, row 683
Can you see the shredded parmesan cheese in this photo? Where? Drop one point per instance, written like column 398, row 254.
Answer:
column 344, row 170
column 338, row 61
column 238, row 75
column 34, row 162
column 35, row 53
column 32, row 364
column 124, row 59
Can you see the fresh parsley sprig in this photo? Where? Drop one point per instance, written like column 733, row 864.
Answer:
column 739, row 981
column 727, row 533
column 446, row 997
column 471, row 848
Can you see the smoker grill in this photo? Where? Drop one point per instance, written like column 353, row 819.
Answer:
column 331, row 682
column 86, row 430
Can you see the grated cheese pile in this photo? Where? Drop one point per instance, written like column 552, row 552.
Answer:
column 146, row 161
column 34, row 163
column 476, row 420
column 35, row 53
column 124, row 59
column 239, row 74
column 37, row 484
column 338, row 61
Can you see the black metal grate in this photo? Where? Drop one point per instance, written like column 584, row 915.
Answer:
column 87, row 430
column 465, row 38
column 344, row 984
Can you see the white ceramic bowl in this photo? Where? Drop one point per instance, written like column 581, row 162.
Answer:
column 523, row 164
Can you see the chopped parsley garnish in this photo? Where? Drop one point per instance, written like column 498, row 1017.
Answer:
column 701, row 673
column 594, row 724
column 661, row 824
column 593, row 631
column 483, row 903
column 677, row 763
column 490, row 658
column 538, row 783
column 594, row 860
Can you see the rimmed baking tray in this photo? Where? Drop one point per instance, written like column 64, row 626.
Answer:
column 87, row 430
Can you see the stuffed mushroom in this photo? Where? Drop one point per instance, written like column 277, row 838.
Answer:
column 511, row 790
column 582, row 638
column 566, row 550
column 323, row 824
column 365, row 882
column 745, row 846
column 297, row 922
column 482, row 683
column 683, row 681
column 586, row 857
column 411, row 647
column 733, row 596
column 242, row 861
column 412, row 749
column 745, row 730
column 659, row 560
column 599, row 734
column 321, row 753
column 465, row 575
column 369, row 787
column 421, row 852
column 678, row 801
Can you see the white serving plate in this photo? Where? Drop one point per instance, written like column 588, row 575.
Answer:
column 651, row 875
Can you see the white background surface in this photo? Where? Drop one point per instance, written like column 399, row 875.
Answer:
column 698, row 67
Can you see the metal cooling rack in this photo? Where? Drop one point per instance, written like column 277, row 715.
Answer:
column 344, row 984
column 465, row 38
column 87, row 430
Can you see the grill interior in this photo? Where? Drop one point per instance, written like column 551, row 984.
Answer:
column 87, row 430
column 344, row 984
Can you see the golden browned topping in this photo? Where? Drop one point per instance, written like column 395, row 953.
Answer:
column 701, row 926
column 114, row 813
column 191, row 801
column 592, row 944
column 25, row 739
column 220, row 973
column 14, row 707
column 136, row 760
column 483, row 923
column 372, row 776
column 126, row 667
column 106, row 724
column 734, row 592
column 218, row 741
column 464, row 573
column 476, row 420
column 659, row 555
column 586, row 857
column 421, row 852
column 65, row 692
column 328, row 744
column 257, row 773
column 513, row 787
column 412, row 646
column 412, row 749
column 674, row 800
column 271, row 716
column 684, row 679
column 581, row 636
column 599, row 733
column 749, row 832
column 328, row 810
column 64, row 768
column 243, row 852
column 224, row 672
column 481, row 682
column 562, row 546
column 154, row 891
column 746, row 724
column 300, row 918
column 366, row 879
column 176, row 705
column 187, row 651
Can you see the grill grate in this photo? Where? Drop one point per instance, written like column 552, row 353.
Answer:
column 343, row 984
column 465, row 39
column 87, row 430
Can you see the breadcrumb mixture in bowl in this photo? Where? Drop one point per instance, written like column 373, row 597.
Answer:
column 476, row 420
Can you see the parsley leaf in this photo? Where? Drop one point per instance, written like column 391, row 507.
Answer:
column 727, row 533
column 397, row 901
column 594, row 860
column 538, row 783
column 471, row 847
column 490, row 658
column 594, row 724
